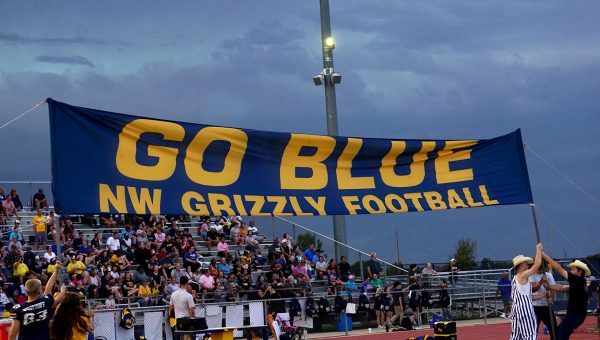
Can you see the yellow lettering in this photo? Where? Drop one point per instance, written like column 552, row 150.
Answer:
column 280, row 202
column 368, row 200
column 344, row 167
column 291, row 160
column 220, row 203
column 389, row 202
column 237, row 199
column 349, row 203
column 119, row 202
column 454, row 200
column 446, row 156
column 199, row 209
column 296, row 207
column 145, row 200
column 486, row 197
column 470, row 200
column 238, row 141
column 259, row 202
column 417, row 167
column 319, row 204
column 126, row 151
column 434, row 200
column 414, row 197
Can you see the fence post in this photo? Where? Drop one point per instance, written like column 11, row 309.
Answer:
column 361, row 265
column 294, row 231
column 483, row 294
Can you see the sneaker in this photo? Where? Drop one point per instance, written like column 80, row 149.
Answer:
column 503, row 316
column 380, row 326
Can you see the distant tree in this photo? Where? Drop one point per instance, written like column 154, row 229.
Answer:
column 304, row 240
column 486, row 263
column 465, row 253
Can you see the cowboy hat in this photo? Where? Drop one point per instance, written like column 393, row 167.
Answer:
column 520, row 259
column 582, row 266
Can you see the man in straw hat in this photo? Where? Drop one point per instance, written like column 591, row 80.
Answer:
column 30, row 320
column 523, row 325
column 578, row 296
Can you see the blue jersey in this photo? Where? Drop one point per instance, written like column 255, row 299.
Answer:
column 34, row 317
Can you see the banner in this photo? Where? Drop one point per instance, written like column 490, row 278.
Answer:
column 104, row 162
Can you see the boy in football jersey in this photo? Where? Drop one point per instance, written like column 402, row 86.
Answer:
column 30, row 319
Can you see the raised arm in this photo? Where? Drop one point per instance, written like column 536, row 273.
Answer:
column 536, row 264
column 559, row 269
column 52, row 279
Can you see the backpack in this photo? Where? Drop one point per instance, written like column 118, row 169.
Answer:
column 310, row 309
column 406, row 323
column 340, row 304
column 127, row 319
column 324, row 306
column 295, row 308
column 363, row 302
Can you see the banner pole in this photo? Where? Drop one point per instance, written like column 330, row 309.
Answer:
column 550, row 309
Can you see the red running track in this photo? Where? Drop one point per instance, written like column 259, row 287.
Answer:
column 499, row 331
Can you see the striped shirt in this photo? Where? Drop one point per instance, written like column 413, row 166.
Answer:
column 523, row 325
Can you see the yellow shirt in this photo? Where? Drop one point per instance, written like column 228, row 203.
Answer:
column 20, row 269
column 50, row 268
column 144, row 291
column 78, row 267
column 77, row 335
column 39, row 224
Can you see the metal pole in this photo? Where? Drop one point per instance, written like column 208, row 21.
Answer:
column 273, row 225
column 339, row 222
column 550, row 309
column 361, row 265
column 484, row 305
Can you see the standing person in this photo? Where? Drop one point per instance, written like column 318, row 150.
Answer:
column 523, row 325
column 578, row 296
column 373, row 265
column 503, row 289
column 31, row 319
column 445, row 301
column 398, row 297
column 70, row 321
column 182, row 302
column 453, row 272
column 343, row 269
column 541, row 306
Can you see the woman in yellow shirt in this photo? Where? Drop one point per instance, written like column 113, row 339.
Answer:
column 70, row 320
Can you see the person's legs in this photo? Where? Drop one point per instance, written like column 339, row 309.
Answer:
column 569, row 324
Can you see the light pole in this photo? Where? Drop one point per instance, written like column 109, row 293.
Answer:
column 329, row 78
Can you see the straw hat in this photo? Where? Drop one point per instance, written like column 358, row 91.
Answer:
column 582, row 266
column 520, row 259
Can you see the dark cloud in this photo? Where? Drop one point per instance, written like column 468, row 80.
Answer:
column 74, row 60
column 14, row 38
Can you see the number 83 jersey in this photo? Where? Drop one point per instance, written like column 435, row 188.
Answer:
column 34, row 318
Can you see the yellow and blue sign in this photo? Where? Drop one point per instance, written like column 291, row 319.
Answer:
column 104, row 162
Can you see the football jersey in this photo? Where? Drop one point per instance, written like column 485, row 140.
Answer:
column 34, row 317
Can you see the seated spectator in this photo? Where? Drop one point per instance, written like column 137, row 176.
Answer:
column 350, row 287
column 177, row 272
column 39, row 200
column 128, row 286
column 223, row 248
column 300, row 271
column 212, row 238
column 310, row 252
column 234, row 233
column 367, row 287
column 173, row 286
column 224, row 267
column 16, row 232
column 16, row 243
column 107, row 221
column 207, row 282
column 428, row 270
column 192, row 259
column 376, row 282
column 20, row 269
column 212, row 268
column 144, row 294
column 16, row 199
column 113, row 243
column 321, row 268
column 9, row 207
column 219, row 295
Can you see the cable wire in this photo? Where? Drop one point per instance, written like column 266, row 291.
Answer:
column 38, row 105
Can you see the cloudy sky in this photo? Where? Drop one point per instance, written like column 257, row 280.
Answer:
column 411, row 69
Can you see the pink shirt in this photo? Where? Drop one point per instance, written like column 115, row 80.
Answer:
column 207, row 281
column 222, row 246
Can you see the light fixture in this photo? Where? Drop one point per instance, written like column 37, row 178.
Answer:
column 336, row 77
column 319, row 79
column 329, row 42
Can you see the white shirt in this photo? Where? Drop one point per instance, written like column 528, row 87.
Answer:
column 50, row 256
column 535, row 278
column 113, row 243
column 182, row 301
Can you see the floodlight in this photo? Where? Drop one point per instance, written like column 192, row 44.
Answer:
column 329, row 42
column 336, row 77
column 319, row 79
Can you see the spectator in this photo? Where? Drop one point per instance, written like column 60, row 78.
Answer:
column 453, row 272
column 445, row 301
column 207, row 282
column 16, row 232
column 223, row 248
column 350, row 287
column 224, row 267
column 16, row 199
column 343, row 269
column 504, row 287
column 9, row 207
column 192, row 259
column 376, row 282
column 373, row 265
column 177, row 273
column 366, row 286
column 414, row 300
column 428, row 270
column 321, row 268
column 39, row 228
column 39, row 200
column 113, row 244
column 310, row 252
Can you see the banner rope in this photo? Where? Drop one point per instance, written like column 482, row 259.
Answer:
column 572, row 182
column 550, row 225
column 338, row 242
column 38, row 105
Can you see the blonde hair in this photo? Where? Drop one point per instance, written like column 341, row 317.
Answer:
column 32, row 287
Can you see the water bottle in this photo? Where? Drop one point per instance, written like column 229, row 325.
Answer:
column 545, row 330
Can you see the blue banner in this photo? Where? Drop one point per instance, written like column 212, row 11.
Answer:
column 104, row 162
